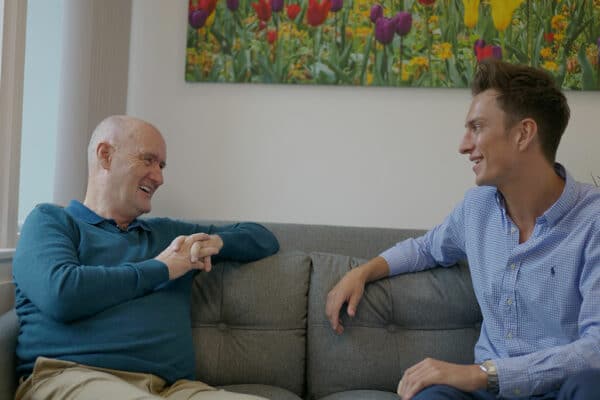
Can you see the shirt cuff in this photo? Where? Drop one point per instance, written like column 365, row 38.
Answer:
column 513, row 379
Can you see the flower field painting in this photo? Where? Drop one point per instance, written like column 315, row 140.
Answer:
column 412, row 43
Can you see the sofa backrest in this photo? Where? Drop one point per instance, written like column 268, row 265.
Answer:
column 399, row 322
column 249, row 322
column 265, row 322
column 363, row 242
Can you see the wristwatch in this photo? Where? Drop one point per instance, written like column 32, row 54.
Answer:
column 489, row 368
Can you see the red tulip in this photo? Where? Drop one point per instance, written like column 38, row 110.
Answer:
column 293, row 10
column 549, row 37
column 427, row 2
column 489, row 51
column 208, row 5
column 261, row 25
column 317, row 13
column 263, row 9
column 271, row 36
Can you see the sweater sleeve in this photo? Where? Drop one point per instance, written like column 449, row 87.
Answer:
column 47, row 270
column 244, row 242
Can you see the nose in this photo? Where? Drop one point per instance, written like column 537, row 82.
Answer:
column 466, row 144
column 157, row 175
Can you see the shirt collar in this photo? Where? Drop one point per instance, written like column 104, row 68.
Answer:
column 80, row 211
column 565, row 202
column 567, row 199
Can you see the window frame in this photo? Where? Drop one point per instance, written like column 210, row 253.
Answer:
column 14, row 19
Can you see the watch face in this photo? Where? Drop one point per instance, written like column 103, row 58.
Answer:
column 489, row 367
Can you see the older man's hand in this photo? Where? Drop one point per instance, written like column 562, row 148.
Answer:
column 202, row 250
column 190, row 252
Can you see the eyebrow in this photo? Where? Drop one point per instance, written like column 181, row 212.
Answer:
column 473, row 121
column 154, row 156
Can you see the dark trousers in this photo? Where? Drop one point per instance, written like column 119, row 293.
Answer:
column 583, row 386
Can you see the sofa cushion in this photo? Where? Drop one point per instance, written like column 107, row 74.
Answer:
column 249, row 322
column 9, row 329
column 268, row 392
column 362, row 395
column 389, row 332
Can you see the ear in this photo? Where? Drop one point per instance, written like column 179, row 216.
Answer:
column 527, row 133
column 104, row 152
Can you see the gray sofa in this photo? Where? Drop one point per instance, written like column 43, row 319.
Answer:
column 261, row 328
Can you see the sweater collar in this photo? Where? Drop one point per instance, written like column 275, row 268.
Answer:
column 80, row 211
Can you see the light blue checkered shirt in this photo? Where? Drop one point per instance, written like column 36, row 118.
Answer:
column 540, row 300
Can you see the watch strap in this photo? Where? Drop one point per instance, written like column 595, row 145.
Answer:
column 489, row 367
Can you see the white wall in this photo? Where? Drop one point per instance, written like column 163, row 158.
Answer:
column 331, row 155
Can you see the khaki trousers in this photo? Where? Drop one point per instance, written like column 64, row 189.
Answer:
column 64, row 380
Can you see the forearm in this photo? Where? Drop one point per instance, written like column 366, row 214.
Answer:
column 68, row 291
column 374, row 269
column 245, row 242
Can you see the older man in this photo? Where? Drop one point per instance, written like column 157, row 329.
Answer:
column 102, row 296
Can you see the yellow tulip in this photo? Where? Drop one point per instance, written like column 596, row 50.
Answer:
column 502, row 11
column 210, row 20
column 471, row 12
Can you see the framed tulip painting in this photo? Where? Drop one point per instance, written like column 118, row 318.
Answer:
column 418, row 43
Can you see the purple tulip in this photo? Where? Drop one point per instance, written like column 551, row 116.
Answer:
column 403, row 21
column 198, row 18
column 276, row 5
column 376, row 12
column 233, row 5
column 497, row 52
column 479, row 44
column 336, row 5
column 385, row 29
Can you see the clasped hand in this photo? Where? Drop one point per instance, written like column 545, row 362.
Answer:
column 190, row 252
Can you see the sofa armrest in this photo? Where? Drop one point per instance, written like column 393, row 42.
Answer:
column 9, row 329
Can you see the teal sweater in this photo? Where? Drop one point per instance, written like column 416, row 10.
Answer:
column 90, row 293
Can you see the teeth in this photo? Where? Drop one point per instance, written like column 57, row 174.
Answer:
column 145, row 189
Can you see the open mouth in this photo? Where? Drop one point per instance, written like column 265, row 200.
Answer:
column 145, row 189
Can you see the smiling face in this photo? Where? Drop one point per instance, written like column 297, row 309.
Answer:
column 490, row 144
column 135, row 172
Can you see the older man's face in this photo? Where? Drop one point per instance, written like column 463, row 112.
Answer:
column 136, row 172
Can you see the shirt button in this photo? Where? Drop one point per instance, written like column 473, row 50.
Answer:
column 513, row 229
column 509, row 302
column 509, row 335
column 517, row 391
column 513, row 266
